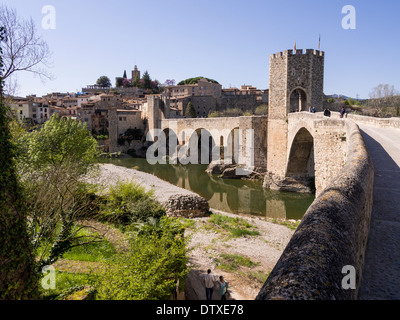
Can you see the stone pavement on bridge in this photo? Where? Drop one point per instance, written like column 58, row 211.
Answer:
column 381, row 274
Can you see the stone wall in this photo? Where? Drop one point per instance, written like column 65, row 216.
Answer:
column 129, row 119
column 291, row 71
column 332, row 234
column 372, row 121
column 204, row 105
column 248, row 102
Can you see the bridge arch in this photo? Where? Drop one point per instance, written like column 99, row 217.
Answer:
column 205, row 141
column 298, row 100
column 300, row 163
column 232, row 146
column 172, row 143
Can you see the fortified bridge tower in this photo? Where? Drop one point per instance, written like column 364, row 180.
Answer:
column 295, row 84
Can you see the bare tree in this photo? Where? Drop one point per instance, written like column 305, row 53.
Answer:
column 383, row 91
column 384, row 101
column 23, row 48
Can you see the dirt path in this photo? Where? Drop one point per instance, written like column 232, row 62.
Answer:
column 209, row 247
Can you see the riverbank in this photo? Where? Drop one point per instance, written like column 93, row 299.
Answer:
column 244, row 261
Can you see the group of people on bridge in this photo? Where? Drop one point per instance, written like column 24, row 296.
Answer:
column 327, row 112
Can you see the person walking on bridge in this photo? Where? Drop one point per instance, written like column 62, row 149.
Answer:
column 342, row 112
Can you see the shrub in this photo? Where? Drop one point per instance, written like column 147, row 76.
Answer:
column 128, row 202
column 233, row 112
column 150, row 270
column 260, row 110
column 190, row 111
column 214, row 114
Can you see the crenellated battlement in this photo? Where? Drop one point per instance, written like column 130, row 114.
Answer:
column 287, row 53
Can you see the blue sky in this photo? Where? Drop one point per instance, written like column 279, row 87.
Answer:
column 229, row 41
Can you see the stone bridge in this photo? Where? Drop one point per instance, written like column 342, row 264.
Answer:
column 316, row 146
column 354, row 221
column 335, row 231
column 332, row 254
column 227, row 137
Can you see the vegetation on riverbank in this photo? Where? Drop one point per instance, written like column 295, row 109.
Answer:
column 51, row 163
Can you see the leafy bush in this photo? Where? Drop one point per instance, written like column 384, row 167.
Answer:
column 233, row 112
column 214, row 114
column 190, row 111
column 128, row 202
column 150, row 270
column 101, row 137
column 260, row 110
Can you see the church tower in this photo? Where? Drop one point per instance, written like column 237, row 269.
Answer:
column 135, row 72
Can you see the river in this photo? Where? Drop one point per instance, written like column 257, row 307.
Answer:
column 229, row 195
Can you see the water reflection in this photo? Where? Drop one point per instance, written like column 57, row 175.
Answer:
column 235, row 196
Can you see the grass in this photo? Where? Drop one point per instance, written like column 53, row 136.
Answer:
column 232, row 262
column 289, row 224
column 65, row 282
column 235, row 227
column 259, row 276
column 187, row 223
column 93, row 252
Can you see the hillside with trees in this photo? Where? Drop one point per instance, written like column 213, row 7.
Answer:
column 195, row 80
column 383, row 102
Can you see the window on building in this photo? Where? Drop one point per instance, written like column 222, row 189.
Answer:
column 120, row 118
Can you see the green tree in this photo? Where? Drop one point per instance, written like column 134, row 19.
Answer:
column 60, row 143
column 190, row 111
column 103, row 81
column 52, row 161
column 124, row 76
column 119, row 82
column 147, row 80
column 195, row 81
column 136, row 82
column 17, row 264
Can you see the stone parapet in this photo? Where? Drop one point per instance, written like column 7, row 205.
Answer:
column 333, row 234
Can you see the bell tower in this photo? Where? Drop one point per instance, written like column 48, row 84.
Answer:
column 135, row 72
